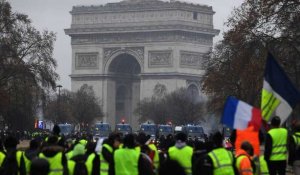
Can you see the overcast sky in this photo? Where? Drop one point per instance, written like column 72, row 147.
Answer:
column 54, row 15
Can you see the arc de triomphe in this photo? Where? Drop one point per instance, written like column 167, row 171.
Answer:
column 125, row 50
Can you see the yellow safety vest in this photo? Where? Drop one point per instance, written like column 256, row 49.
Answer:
column 279, row 144
column 104, row 164
column 69, row 154
column 56, row 167
column 126, row 161
column 2, row 157
column 89, row 163
column 222, row 161
column 264, row 170
column 156, row 156
column 71, row 166
column 296, row 138
column 183, row 156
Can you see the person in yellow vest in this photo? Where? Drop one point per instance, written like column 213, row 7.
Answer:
column 155, row 158
column 108, row 147
column 2, row 155
column 294, row 149
column 219, row 161
column 262, row 166
column 31, row 153
column 77, row 163
column 276, row 148
column 13, row 163
column 182, row 153
column 129, row 161
column 53, row 153
column 244, row 164
column 93, row 159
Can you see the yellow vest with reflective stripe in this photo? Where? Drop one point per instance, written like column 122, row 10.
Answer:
column 89, row 163
column 222, row 161
column 104, row 164
column 71, row 166
column 183, row 156
column 156, row 156
column 264, row 170
column 126, row 161
column 296, row 138
column 238, row 164
column 56, row 167
column 2, row 157
column 27, row 164
column 69, row 154
column 279, row 144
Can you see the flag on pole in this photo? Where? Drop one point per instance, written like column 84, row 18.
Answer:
column 279, row 96
column 240, row 115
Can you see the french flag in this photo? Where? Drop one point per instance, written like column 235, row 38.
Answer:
column 240, row 115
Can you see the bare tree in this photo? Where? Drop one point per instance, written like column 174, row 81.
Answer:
column 27, row 68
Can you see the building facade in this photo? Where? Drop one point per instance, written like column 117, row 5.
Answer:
column 134, row 48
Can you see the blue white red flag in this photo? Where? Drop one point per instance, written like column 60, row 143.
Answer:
column 240, row 115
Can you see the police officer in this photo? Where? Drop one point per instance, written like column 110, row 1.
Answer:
column 276, row 148
column 182, row 153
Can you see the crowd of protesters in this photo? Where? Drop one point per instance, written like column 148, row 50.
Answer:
column 135, row 154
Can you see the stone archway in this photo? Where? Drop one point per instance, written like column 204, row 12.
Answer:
column 124, row 71
column 193, row 93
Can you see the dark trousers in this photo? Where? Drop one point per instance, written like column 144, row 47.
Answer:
column 277, row 167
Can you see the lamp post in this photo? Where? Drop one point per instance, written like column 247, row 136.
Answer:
column 58, row 104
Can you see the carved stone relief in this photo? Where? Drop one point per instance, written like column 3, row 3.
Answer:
column 138, row 52
column 159, row 90
column 191, row 59
column 137, row 37
column 160, row 58
column 86, row 60
column 195, row 82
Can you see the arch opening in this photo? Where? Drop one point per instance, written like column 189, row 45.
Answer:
column 125, row 70
column 125, row 64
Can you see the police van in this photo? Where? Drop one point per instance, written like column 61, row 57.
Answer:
column 149, row 129
column 123, row 128
column 101, row 130
column 66, row 129
column 195, row 132
column 165, row 130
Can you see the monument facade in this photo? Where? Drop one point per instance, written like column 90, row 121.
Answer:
column 131, row 49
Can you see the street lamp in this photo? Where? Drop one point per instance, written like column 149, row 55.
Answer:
column 58, row 104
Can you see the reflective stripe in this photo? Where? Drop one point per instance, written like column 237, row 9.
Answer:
column 56, row 170
column 279, row 144
column 282, row 145
column 246, row 170
column 281, row 152
column 218, row 162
